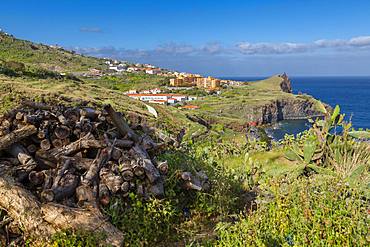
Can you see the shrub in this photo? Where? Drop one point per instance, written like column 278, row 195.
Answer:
column 77, row 238
column 142, row 223
column 330, row 214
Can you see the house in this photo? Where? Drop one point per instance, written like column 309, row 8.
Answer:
column 152, row 71
column 180, row 98
column 150, row 97
column 131, row 92
column 172, row 101
column 118, row 68
column 149, row 71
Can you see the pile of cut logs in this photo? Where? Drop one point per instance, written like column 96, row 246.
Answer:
column 59, row 165
column 74, row 155
column 71, row 159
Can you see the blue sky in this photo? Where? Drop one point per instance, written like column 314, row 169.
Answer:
column 221, row 38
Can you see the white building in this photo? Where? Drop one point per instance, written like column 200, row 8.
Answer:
column 168, row 98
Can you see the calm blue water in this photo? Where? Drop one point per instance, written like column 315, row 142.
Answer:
column 352, row 94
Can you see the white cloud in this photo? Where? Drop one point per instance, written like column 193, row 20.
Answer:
column 325, row 43
column 360, row 41
column 241, row 49
column 272, row 48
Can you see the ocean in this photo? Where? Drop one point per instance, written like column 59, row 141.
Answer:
column 351, row 93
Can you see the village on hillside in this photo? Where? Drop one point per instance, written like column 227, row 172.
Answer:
column 178, row 81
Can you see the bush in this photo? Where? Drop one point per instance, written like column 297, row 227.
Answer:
column 143, row 223
column 307, row 214
column 77, row 238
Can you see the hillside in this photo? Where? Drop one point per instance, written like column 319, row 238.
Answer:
column 47, row 57
column 309, row 190
column 262, row 102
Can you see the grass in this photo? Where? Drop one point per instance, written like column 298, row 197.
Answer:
column 42, row 56
column 302, row 213
column 237, row 106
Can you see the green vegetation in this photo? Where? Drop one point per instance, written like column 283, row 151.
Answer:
column 75, row 239
column 44, row 57
column 239, row 105
column 128, row 81
column 312, row 190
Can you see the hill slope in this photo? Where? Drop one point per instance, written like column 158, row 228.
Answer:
column 44, row 56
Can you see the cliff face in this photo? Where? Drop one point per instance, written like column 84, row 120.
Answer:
column 289, row 107
column 283, row 109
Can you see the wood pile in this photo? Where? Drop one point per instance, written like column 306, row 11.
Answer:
column 63, row 163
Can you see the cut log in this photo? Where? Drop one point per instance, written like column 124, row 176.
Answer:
column 65, row 188
column 90, row 113
column 62, row 132
column 57, row 143
column 125, row 187
column 19, row 115
column 31, row 148
column 163, row 167
column 27, row 162
column 124, row 143
column 121, row 125
column 112, row 181
column 85, row 142
column 36, row 178
column 127, row 174
column 143, row 159
column 72, row 114
column 45, row 144
column 138, row 170
column 32, row 119
column 16, row 136
column 116, row 154
column 81, row 164
column 44, row 220
column 84, row 193
column 42, row 134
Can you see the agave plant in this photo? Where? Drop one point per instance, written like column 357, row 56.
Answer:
column 323, row 147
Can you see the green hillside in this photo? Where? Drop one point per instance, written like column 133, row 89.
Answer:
column 44, row 56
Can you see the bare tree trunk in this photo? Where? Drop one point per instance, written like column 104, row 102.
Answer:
column 16, row 136
column 43, row 220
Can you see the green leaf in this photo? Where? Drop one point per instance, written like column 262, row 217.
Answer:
column 335, row 113
column 309, row 148
column 360, row 134
column 321, row 170
column 291, row 155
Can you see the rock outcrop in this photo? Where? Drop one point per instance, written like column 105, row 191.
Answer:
column 285, row 84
